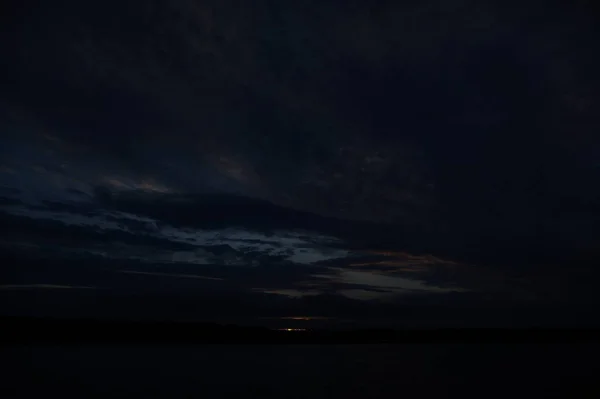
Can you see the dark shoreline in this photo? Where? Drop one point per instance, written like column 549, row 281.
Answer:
column 24, row 330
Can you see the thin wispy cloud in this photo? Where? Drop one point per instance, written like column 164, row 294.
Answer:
column 170, row 275
column 44, row 286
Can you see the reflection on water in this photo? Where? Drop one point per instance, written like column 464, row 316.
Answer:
column 302, row 371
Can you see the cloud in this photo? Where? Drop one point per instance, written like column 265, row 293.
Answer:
column 287, row 262
column 42, row 286
column 170, row 275
column 147, row 185
column 293, row 293
column 458, row 133
column 115, row 234
column 391, row 283
column 176, row 229
column 365, row 285
column 439, row 272
column 353, row 119
column 284, row 260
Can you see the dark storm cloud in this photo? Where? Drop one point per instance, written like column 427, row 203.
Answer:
column 465, row 131
column 198, row 79
column 349, row 110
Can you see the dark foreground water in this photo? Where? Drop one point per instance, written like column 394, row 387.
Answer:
column 302, row 371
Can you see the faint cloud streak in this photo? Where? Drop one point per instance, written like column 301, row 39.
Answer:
column 171, row 275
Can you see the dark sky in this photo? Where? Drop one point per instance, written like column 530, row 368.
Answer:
column 397, row 152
